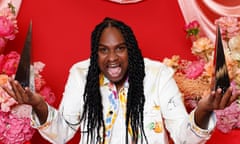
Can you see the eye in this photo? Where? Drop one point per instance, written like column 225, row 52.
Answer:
column 121, row 48
column 103, row 50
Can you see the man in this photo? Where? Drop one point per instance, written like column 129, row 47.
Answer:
column 119, row 97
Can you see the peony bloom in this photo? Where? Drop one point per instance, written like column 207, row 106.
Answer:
column 194, row 77
column 10, row 63
column 6, row 28
column 47, row 94
column 15, row 124
column 203, row 48
column 228, row 118
column 195, row 69
column 2, row 43
column 229, row 26
column 234, row 45
column 18, row 130
column 5, row 100
column 38, row 67
column 8, row 25
column 39, row 82
column 173, row 62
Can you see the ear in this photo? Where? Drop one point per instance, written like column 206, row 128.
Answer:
column 15, row 3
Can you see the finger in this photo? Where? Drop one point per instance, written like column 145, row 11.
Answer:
column 24, row 94
column 234, row 97
column 212, row 84
column 14, row 89
column 217, row 98
column 34, row 98
column 17, row 89
column 226, row 98
column 27, row 95
column 9, row 91
column 211, row 97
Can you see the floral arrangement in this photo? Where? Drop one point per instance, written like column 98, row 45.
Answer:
column 194, row 76
column 8, row 25
column 15, row 122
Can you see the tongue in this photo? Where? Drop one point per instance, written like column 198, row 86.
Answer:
column 114, row 72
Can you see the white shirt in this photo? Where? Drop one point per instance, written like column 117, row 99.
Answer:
column 163, row 110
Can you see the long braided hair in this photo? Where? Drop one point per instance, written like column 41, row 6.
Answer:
column 92, row 113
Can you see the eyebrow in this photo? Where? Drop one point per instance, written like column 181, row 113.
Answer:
column 123, row 43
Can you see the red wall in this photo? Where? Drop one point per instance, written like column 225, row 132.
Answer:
column 61, row 33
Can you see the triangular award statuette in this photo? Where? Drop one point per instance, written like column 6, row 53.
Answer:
column 221, row 72
column 23, row 74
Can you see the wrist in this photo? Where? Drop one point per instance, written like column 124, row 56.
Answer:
column 201, row 117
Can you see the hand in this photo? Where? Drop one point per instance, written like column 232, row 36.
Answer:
column 217, row 101
column 214, row 101
column 23, row 96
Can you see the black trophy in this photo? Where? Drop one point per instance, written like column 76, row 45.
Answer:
column 221, row 72
column 23, row 70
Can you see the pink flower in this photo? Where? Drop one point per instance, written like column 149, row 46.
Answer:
column 15, row 122
column 8, row 25
column 47, row 94
column 194, row 77
column 2, row 43
column 14, row 130
column 229, row 26
column 228, row 118
column 15, row 125
column 195, row 69
column 22, row 111
column 7, row 28
column 18, row 131
column 6, row 105
column 10, row 63
column 5, row 100
column 38, row 67
column 39, row 83
column 192, row 29
column 203, row 48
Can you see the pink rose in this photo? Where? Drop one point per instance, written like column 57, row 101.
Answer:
column 19, row 129
column 228, row 118
column 11, row 61
column 7, row 28
column 1, row 61
column 6, row 101
column 2, row 43
column 39, row 82
column 47, row 94
column 195, row 69
column 38, row 67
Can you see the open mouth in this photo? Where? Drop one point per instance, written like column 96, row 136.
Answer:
column 114, row 70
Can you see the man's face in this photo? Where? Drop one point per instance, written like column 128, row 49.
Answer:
column 113, row 55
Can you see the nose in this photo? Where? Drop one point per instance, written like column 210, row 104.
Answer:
column 112, row 56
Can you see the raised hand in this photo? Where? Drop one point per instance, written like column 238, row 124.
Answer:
column 213, row 102
column 25, row 96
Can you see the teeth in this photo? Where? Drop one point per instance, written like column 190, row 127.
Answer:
column 113, row 65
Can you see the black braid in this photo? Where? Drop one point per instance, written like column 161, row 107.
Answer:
column 93, row 107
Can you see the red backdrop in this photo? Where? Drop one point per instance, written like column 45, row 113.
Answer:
column 61, row 34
